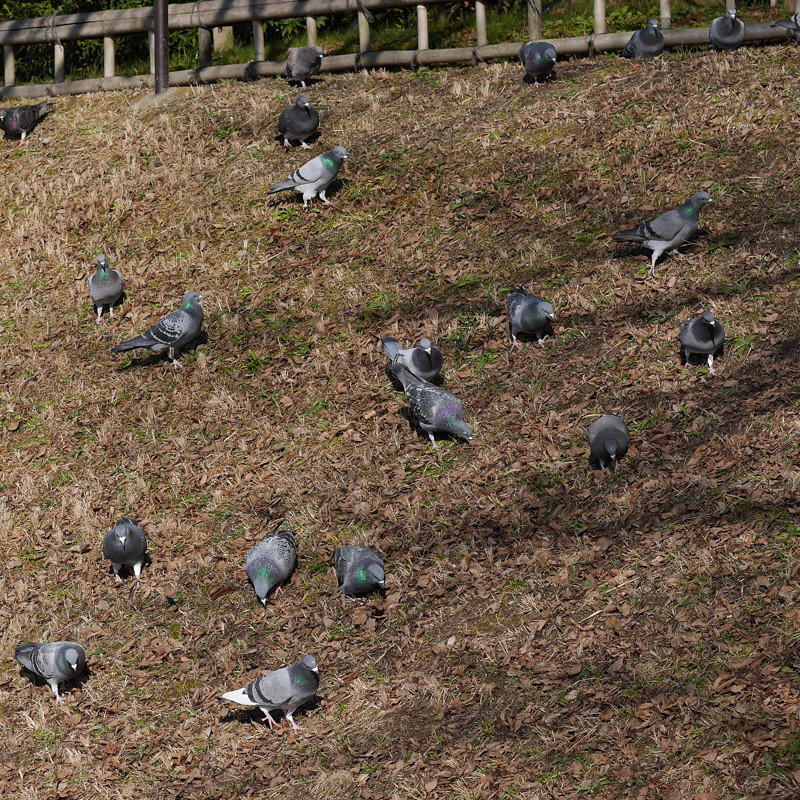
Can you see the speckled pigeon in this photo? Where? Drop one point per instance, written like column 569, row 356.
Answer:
column 297, row 122
column 303, row 63
column 608, row 440
column 173, row 332
column 538, row 58
column 271, row 563
column 359, row 571
column 702, row 336
column 647, row 43
column 424, row 361
column 19, row 121
column 284, row 690
column 105, row 287
column 528, row 315
column 125, row 545
column 726, row 33
column 669, row 230
column 314, row 178
column 792, row 25
column 54, row 662
column 436, row 409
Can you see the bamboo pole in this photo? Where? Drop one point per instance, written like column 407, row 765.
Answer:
column 363, row 33
column 58, row 62
column 9, row 78
column 599, row 16
column 666, row 15
column 480, row 23
column 258, row 41
column 534, row 20
column 422, row 28
column 151, row 39
column 204, row 47
column 108, row 57
column 311, row 30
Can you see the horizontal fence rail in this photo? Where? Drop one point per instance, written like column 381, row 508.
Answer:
column 203, row 16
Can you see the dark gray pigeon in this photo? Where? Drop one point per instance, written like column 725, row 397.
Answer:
column 105, row 287
column 19, row 121
column 314, row 178
column 303, row 63
column 125, row 545
column 608, row 440
column 54, row 662
column 359, row 571
column 792, row 25
column 538, row 58
column 173, row 332
column 424, row 361
column 298, row 122
column 645, row 44
column 669, row 231
column 726, row 33
column 703, row 336
column 528, row 315
column 284, row 690
column 271, row 563
column 436, row 409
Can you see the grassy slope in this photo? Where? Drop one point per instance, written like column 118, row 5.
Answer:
column 548, row 629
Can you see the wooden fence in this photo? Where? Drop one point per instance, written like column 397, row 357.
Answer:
column 206, row 14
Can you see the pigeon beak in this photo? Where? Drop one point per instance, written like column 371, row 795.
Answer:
column 551, row 317
column 307, row 105
column 263, row 601
column 74, row 666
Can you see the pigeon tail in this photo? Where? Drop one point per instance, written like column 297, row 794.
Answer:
column 23, row 653
column 391, row 347
column 238, row 696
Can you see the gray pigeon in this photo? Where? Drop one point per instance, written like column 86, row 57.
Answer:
column 303, row 63
column 726, row 33
column 608, row 440
column 19, row 121
column 538, row 58
column 645, row 44
column 173, row 332
column 529, row 315
column 703, row 336
column 669, row 230
column 271, row 563
column 125, row 545
column 359, row 571
column 105, row 287
column 436, row 409
column 314, row 178
column 284, row 690
column 54, row 662
column 424, row 361
column 298, row 122
column 792, row 25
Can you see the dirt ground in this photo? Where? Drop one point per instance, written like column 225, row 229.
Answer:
column 549, row 631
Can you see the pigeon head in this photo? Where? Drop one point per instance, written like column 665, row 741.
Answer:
column 459, row 428
column 700, row 199
column 318, row 50
column 708, row 318
column 302, row 101
column 425, row 344
column 377, row 574
column 121, row 532
column 652, row 24
column 309, row 662
column 731, row 12
column 549, row 311
column 191, row 300
column 102, row 263
column 73, row 658
column 340, row 153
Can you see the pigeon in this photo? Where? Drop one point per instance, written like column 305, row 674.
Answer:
column 436, row 409
column 726, row 33
column 359, row 571
column 105, row 287
column 21, row 120
column 298, row 122
column 423, row 361
column 54, row 662
column 303, row 63
column 703, row 336
column 284, row 690
column 313, row 178
column 271, row 563
column 125, row 544
column 529, row 315
column 608, row 440
column 173, row 332
column 645, row 44
column 668, row 231
column 792, row 25
column 538, row 58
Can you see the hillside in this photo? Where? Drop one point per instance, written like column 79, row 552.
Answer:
column 549, row 631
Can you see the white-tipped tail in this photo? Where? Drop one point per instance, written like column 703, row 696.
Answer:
column 238, row 696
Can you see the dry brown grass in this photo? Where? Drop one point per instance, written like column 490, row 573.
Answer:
column 549, row 632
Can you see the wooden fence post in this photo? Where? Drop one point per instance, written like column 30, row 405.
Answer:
column 108, row 57
column 9, row 78
column 480, row 22
column 599, row 16
column 363, row 33
column 534, row 19
column 666, row 15
column 311, row 30
column 204, row 47
column 422, row 28
column 58, row 63
column 258, row 41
